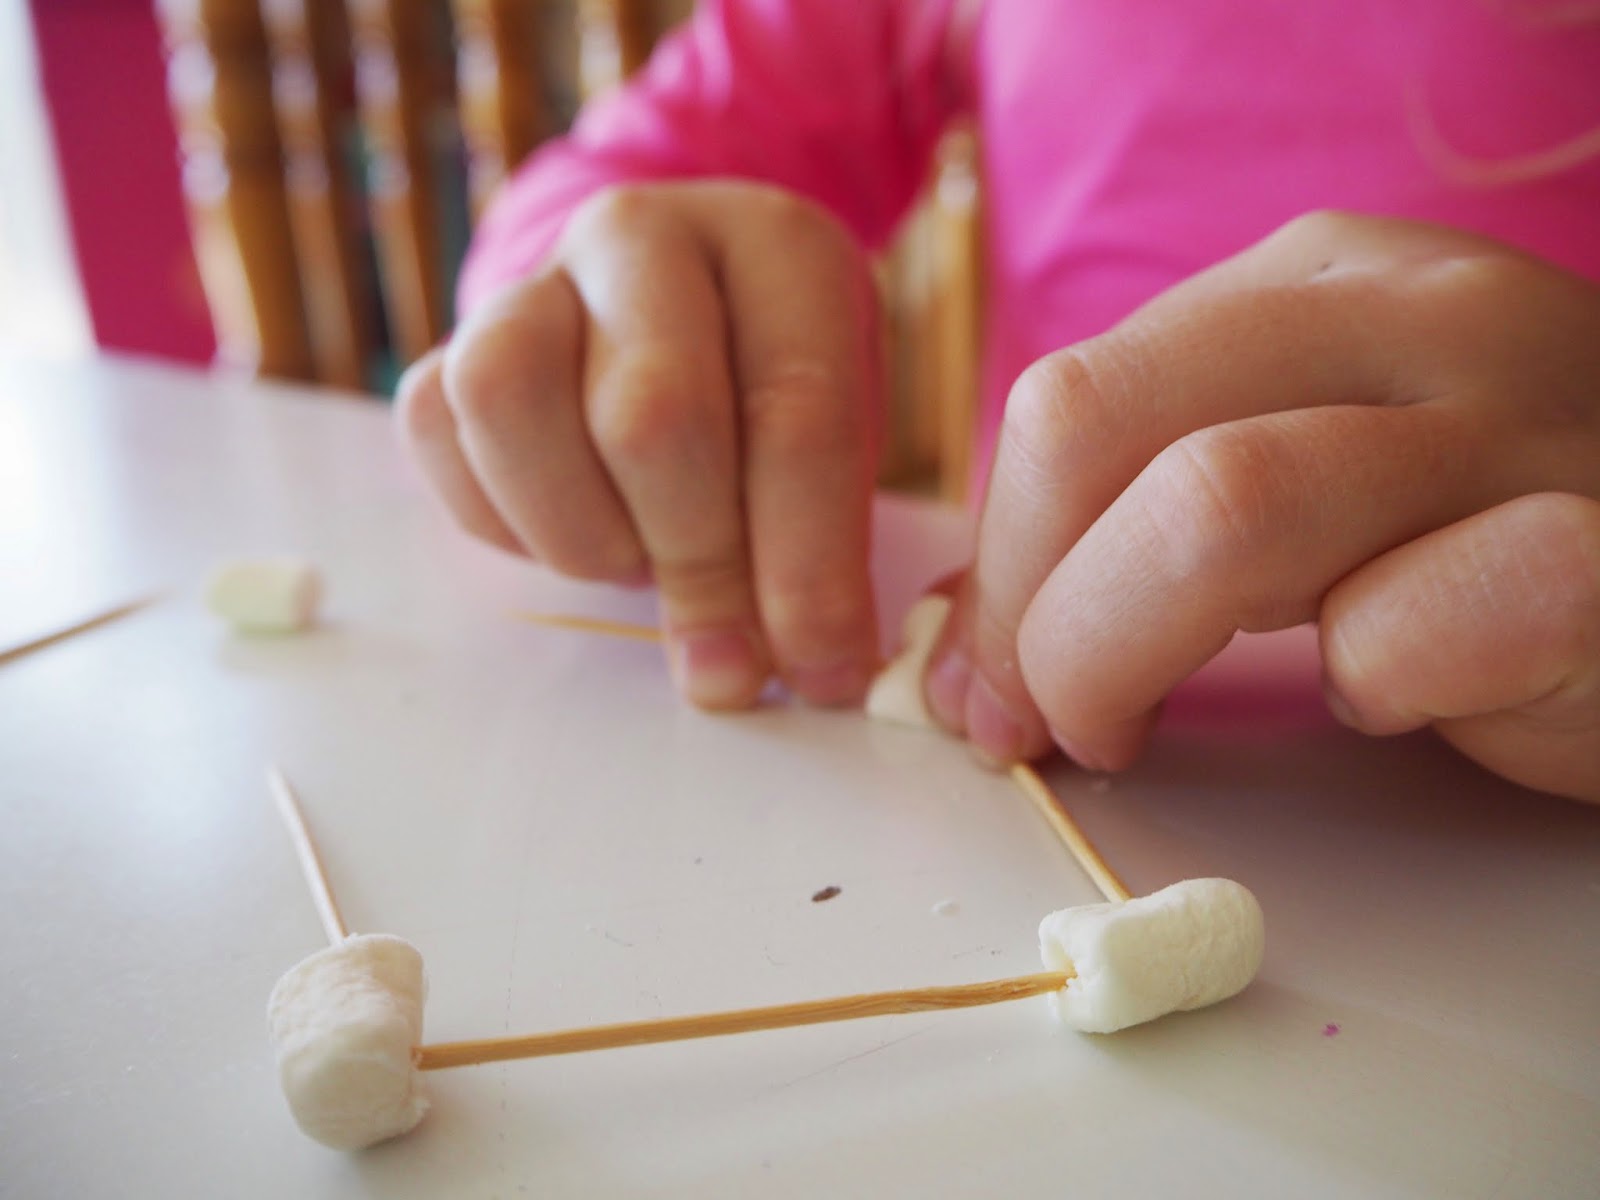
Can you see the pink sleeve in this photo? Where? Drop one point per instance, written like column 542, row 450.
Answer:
column 839, row 100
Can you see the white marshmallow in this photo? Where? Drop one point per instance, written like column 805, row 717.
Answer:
column 344, row 1023
column 896, row 693
column 265, row 595
column 1186, row 946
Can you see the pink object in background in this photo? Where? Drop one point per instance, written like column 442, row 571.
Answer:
column 101, row 66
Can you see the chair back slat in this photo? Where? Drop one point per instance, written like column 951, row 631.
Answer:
column 220, row 85
column 309, row 42
column 403, row 85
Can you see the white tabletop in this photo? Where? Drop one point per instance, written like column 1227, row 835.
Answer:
column 568, row 845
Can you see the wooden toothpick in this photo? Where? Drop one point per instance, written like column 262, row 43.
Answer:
column 310, row 861
column 748, row 1020
column 617, row 629
column 84, row 626
column 1023, row 775
column 1075, row 840
column 811, row 1012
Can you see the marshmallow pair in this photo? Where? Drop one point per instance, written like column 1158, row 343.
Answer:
column 345, row 1022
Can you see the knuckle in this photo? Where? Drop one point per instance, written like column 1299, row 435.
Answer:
column 1470, row 288
column 419, row 404
column 810, row 234
column 646, row 409
column 1527, row 369
column 479, row 380
column 1060, row 414
column 709, row 586
column 812, row 619
column 1212, row 497
column 806, row 410
column 618, row 211
column 519, row 351
column 1039, row 402
column 802, row 223
column 1320, row 227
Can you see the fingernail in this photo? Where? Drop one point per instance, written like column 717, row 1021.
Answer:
column 946, row 685
column 716, row 668
column 833, row 685
column 1086, row 759
column 994, row 733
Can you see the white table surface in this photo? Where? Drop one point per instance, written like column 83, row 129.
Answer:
column 567, row 845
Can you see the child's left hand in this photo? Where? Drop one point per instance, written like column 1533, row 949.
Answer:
column 1389, row 428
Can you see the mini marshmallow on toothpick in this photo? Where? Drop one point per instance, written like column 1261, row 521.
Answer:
column 896, row 692
column 344, row 1025
column 265, row 595
column 1187, row 946
column 346, row 1021
column 1132, row 960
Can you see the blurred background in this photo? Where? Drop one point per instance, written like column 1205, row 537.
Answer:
column 286, row 187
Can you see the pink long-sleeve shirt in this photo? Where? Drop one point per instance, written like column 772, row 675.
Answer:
column 1126, row 143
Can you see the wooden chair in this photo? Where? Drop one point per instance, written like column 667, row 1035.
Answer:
column 335, row 151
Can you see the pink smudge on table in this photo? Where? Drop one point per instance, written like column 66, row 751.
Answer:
column 1330, row 1030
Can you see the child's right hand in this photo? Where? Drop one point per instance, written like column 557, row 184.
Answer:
column 686, row 392
column 1387, row 427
